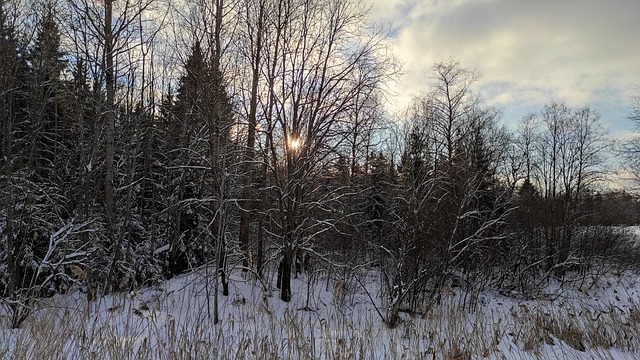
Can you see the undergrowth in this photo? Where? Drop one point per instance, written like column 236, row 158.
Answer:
column 162, row 324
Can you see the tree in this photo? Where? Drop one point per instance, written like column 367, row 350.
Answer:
column 108, row 62
column 569, row 151
column 106, row 33
column 631, row 149
column 202, row 156
column 10, row 66
column 254, row 19
column 453, row 208
column 45, row 108
column 187, row 120
column 43, row 237
column 451, row 103
column 311, row 55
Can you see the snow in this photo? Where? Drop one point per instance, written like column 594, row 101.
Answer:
column 162, row 249
column 337, row 323
column 635, row 232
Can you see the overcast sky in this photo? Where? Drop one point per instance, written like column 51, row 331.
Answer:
column 530, row 52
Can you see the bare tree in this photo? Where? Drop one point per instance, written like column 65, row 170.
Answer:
column 312, row 52
column 450, row 100
column 569, row 153
column 632, row 147
column 255, row 22
column 451, row 208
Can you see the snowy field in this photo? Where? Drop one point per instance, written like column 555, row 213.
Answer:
column 330, row 319
column 635, row 233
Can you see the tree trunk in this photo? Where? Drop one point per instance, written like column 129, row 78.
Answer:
column 251, row 139
column 221, row 269
column 285, row 276
column 261, row 218
column 7, row 130
column 110, row 119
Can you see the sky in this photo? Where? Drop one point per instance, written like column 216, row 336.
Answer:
column 530, row 52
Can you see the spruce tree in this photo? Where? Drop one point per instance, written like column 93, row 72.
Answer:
column 8, row 149
column 47, row 129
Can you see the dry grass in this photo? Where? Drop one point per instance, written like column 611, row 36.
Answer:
column 170, row 326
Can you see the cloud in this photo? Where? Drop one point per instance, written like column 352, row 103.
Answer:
column 530, row 52
column 385, row 10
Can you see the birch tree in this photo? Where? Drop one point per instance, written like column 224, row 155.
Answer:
column 255, row 22
column 569, row 150
column 313, row 49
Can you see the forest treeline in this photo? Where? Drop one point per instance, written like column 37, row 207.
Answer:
column 145, row 138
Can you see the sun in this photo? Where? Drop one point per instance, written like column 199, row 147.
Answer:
column 294, row 144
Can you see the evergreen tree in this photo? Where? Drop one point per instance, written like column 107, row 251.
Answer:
column 186, row 125
column 199, row 124
column 9, row 67
column 34, row 204
column 47, row 130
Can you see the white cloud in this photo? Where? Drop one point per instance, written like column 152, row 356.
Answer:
column 530, row 52
column 383, row 10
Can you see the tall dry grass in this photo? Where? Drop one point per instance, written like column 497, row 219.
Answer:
column 177, row 325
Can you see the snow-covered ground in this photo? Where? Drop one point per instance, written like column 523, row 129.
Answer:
column 635, row 233
column 330, row 318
